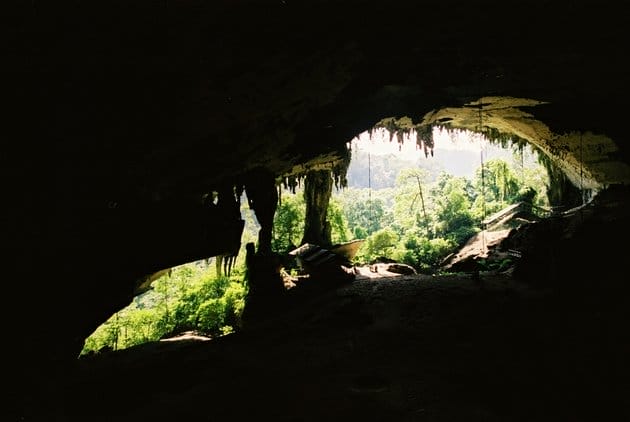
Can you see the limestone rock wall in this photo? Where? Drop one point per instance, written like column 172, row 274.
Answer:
column 123, row 114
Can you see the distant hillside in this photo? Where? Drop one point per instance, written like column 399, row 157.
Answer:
column 459, row 162
column 385, row 168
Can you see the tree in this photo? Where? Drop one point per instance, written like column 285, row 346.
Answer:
column 410, row 200
column 288, row 224
column 363, row 215
column 502, row 181
column 380, row 243
column 338, row 223
column 454, row 219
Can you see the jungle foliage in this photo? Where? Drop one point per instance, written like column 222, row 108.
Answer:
column 192, row 298
column 424, row 217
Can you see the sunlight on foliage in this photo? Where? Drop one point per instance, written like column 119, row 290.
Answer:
column 413, row 211
column 288, row 223
column 416, row 213
column 193, row 298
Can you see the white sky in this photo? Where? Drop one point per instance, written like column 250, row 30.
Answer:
column 379, row 143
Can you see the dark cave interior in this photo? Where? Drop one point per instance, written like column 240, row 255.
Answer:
column 124, row 116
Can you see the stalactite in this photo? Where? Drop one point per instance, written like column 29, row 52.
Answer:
column 491, row 134
column 239, row 189
column 400, row 138
column 340, row 169
column 317, row 191
column 424, row 138
column 262, row 196
column 292, row 182
column 560, row 191
column 404, row 128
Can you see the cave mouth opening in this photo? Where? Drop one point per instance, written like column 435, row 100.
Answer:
column 194, row 301
column 189, row 302
column 423, row 200
column 413, row 197
column 412, row 203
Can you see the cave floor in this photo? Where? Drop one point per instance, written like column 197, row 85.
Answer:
column 407, row 348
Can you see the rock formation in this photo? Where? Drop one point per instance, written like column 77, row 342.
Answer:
column 123, row 116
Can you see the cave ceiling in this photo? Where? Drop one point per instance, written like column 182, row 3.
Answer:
column 175, row 98
column 122, row 114
column 587, row 159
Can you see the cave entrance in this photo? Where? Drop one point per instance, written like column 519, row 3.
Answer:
column 417, row 203
column 412, row 205
column 195, row 301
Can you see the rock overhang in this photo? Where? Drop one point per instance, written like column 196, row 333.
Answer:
column 149, row 103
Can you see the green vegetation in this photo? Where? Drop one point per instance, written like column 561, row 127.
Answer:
column 192, row 298
column 427, row 215
column 288, row 223
column 412, row 212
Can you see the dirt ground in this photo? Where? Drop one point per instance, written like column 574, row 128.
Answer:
column 405, row 348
